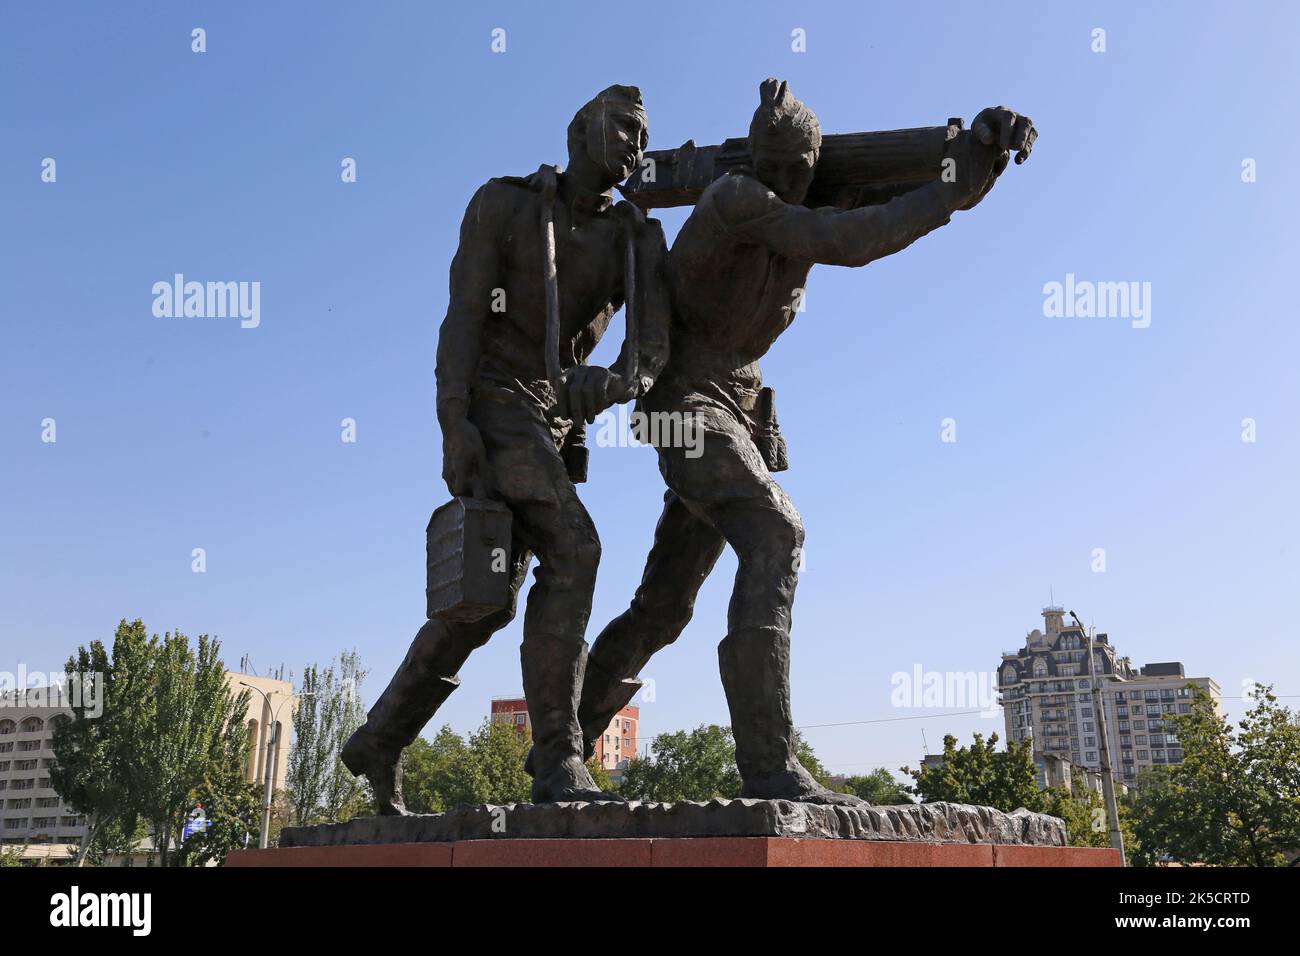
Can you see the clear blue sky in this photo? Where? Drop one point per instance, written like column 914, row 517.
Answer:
column 1073, row 434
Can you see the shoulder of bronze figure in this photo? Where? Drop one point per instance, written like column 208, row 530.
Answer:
column 546, row 180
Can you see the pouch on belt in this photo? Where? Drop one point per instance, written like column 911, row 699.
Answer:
column 767, row 433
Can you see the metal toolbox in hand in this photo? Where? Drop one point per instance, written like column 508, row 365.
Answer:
column 468, row 542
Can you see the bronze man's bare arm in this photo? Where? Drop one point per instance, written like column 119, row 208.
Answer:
column 838, row 237
column 855, row 237
column 475, row 272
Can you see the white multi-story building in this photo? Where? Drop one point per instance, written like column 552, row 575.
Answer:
column 1047, row 696
column 30, row 811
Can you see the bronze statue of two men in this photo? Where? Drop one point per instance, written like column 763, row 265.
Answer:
column 706, row 312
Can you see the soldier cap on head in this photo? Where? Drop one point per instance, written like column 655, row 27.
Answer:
column 616, row 98
column 782, row 122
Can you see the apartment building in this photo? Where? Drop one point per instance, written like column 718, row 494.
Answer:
column 30, row 811
column 1047, row 695
column 614, row 748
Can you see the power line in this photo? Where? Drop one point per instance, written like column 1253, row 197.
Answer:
column 888, row 720
column 964, row 713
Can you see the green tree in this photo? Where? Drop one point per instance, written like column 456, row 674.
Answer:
column 320, row 788
column 193, row 741
column 170, row 735
column 1161, row 817
column 233, row 812
column 427, row 772
column 85, row 774
column 311, row 755
column 112, row 839
column 95, row 751
column 495, row 771
column 803, row 750
column 344, row 792
column 982, row 775
column 360, row 805
column 878, row 788
column 1082, row 808
column 600, row 775
column 1235, row 798
column 699, row 764
column 1084, row 811
column 450, row 771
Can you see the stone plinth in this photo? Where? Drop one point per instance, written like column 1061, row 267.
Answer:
column 743, row 833
column 928, row 823
column 749, row 852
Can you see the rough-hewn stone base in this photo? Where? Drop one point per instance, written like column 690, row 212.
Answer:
column 928, row 823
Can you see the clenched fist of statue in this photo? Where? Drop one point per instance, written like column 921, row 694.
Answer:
column 464, row 459
column 587, row 390
column 1007, row 130
column 985, row 152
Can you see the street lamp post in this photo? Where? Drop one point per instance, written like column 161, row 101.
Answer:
column 1107, row 781
column 272, row 753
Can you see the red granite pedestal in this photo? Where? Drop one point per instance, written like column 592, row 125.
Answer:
column 677, row 852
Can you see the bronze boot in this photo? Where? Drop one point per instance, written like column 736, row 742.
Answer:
column 603, row 696
column 755, row 665
column 552, row 682
column 424, row 680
